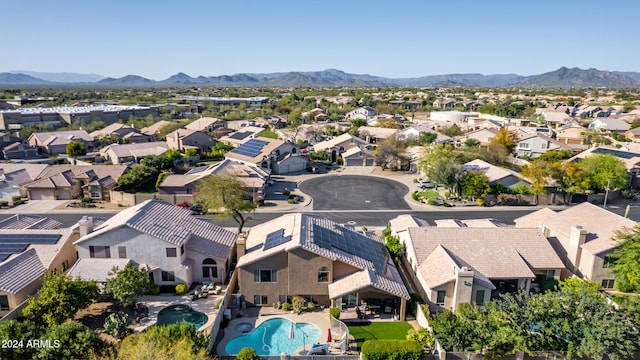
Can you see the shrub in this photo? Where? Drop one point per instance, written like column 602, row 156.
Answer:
column 4, row 203
column 87, row 200
column 297, row 303
column 219, row 303
column 480, row 202
column 16, row 198
column 247, row 354
column 311, row 306
column 116, row 325
column 413, row 303
column 286, row 306
column 181, row 289
column 422, row 337
column 335, row 312
column 414, row 196
column 340, row 160
column 154, row 289
column 391, row 349
column 431, row 202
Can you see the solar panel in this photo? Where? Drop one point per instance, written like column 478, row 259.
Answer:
column 240, row 135
column 276, row 238
column 197, row 170
column 616, row 153
column 251, row 148
column 29, row 238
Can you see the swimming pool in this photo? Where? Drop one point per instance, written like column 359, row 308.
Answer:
column 177, row 313
column 273, row 337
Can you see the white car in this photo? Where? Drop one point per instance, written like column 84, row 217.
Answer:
column 426, row 184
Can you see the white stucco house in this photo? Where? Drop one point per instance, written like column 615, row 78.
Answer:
column 171, row 244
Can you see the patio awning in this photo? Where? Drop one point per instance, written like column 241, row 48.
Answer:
column 364, row 279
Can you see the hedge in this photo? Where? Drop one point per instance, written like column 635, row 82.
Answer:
column 391, row 350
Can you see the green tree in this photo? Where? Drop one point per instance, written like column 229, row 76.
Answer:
column 537, row 172
column 453, row 130
column 626, row 259
column 75, row 342
column 225, row 194
column 447, row 173
column 60, row 298
column 176, row 341
column 117, row 324
column 471, row 143
column 247, row 353
column 429, row 137
column 18, row 330
column 475, row 184
column 628, row 106
column 137, row 176
column 75, row 149
column 595, row 138
column 423, row 337
column 128, row 284
column 506, row 138
column 569, row 178
column 605, row 171
column 556, row 155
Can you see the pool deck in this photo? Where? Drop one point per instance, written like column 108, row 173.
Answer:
column 257, row 316
column 159, row 302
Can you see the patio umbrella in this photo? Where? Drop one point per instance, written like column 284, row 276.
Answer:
column 292, row 331
column 329, row 335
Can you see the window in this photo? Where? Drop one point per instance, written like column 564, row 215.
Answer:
column 181, row 249
column 168, row 276
column 441, row 296
column 323, row 274
column 95, row 192
column 122, row 252
column 608, row 261
column 65, row 265
column 523, row 145
column 265, row 275
column 260, row 300
column 608, row 283
column 4, row 303
column 100, row 252
column 284, row 299
column 479, row 297
column 171, row 252
column 209, row 269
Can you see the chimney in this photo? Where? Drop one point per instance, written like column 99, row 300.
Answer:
column 241, row 245
column 463, row 287
column 577, row 238
column 86, row 225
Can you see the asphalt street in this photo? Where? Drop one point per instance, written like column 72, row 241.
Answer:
column 355, row 192
column 367, row 218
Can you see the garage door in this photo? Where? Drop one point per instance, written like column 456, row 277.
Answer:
column 369, row 162
column 64, row 195
column 354, row 162
column 41, row 195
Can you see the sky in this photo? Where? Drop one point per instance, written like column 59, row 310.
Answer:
column 399, row 38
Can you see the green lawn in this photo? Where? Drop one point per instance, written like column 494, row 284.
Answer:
column 396, row 330
column 429, row 194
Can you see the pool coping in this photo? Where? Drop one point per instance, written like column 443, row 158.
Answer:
column 155, row 303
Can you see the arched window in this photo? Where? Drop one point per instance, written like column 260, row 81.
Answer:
column 209, row 269
column 323, row 274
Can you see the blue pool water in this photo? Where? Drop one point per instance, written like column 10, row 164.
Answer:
column 177, row 313
column 273, row 337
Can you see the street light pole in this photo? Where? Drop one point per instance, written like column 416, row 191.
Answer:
column 606, row 194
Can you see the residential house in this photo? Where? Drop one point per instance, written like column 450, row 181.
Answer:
column 417, row 132
column 240, row 137
column 483, row 135
column 12, row 147
column 609, row 125
column 583, row 236
column 153, row 131
column 414, row 154
column 55, row 142
column 253, row 178
column 632, row 134
column 273, row 121
column 358, row 156
column 184, row 139
column 444, row 104
column 29, row 248
column 537, row 144
column 120, row 133
column 207, row 124
column 315, row 258
column 66, row 182
column 277, row 155
column 339, row 144
column 171, row 244
column 373, row 135
column 126, row 153
column 571, row 134
column 14, row 175
column 361, row 113
column 508, row 178
column 375, row 120
column 630, row 159
column 463, row 264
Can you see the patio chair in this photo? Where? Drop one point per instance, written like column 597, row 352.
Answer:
column 318, row 349
column 360, row 314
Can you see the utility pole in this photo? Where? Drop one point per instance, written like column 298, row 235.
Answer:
column 606, row 194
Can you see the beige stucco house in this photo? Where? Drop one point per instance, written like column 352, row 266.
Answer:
column 317, row 259
column 583, row 236
column 174, row 246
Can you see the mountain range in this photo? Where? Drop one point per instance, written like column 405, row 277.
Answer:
column 560, row 78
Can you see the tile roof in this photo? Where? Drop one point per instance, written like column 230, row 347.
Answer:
column 403, row 222
column 328, row 239
column 153, row 129
column 492, row 172
column 249, row 175
column 501, row 252
column 203, row 123
column 438, row 269
column 23, row 173
column 270, row 146
column 61, row 137
column 22, row 221
column 137, row 150
column 20, row 271
column 172, row 224
column 337, row 141
column 96, row 269
column 600, row 224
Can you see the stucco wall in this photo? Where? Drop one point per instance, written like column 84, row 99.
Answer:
column 249, row 288
column 303, row 273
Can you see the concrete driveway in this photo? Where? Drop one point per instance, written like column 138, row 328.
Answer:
column 355, row 192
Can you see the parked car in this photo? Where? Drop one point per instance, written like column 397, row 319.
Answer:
column 425, row 184
column 196, row 209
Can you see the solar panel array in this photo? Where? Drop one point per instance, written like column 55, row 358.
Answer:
column 251, row 148
column 616, row 153
column 276, row 238
column 351, row 243
column 16, row 243
column 197, row 170
column 240, row 135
